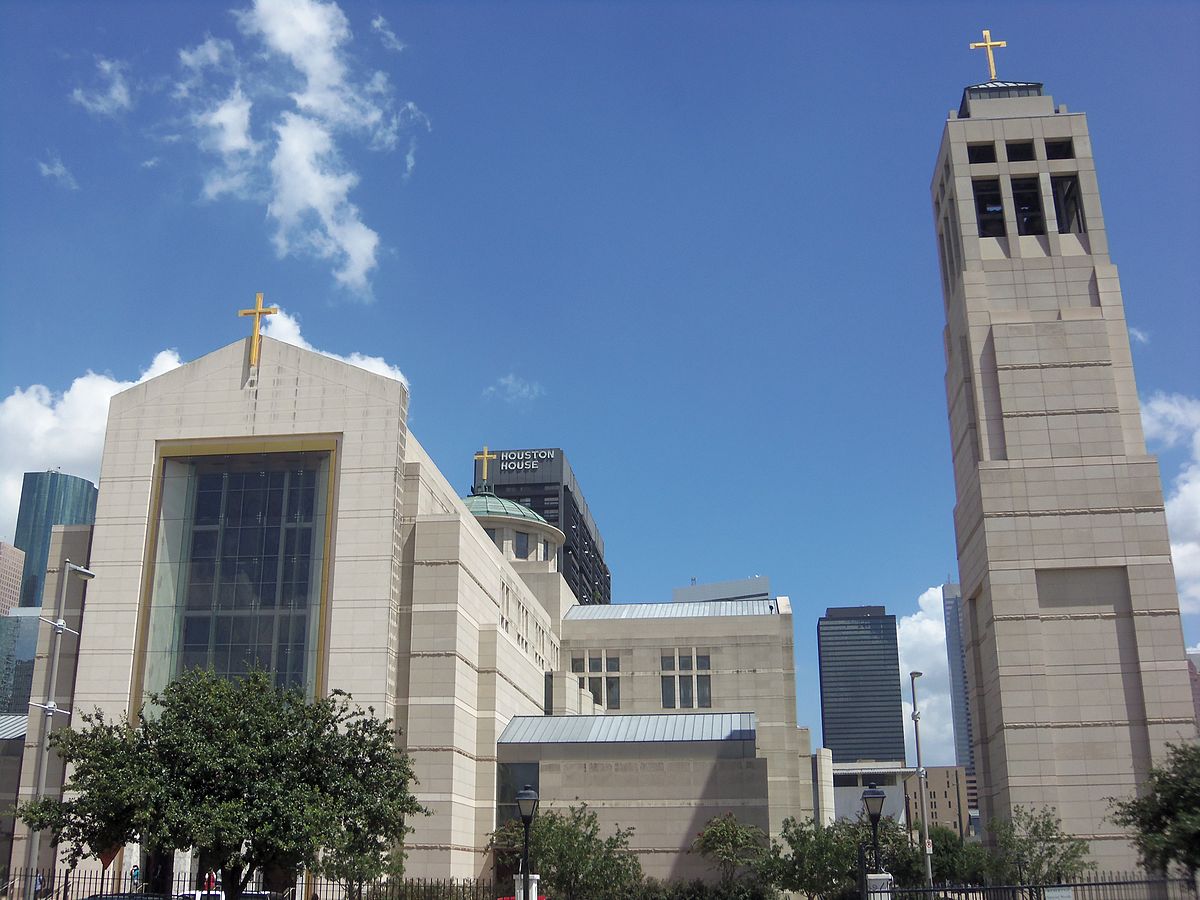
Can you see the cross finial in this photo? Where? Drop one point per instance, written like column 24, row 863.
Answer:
column 987, row 44
column 485, row 456
column 258, row 312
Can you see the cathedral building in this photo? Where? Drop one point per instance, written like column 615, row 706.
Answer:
column 266, row 506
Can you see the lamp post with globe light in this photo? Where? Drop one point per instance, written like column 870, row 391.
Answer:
column 921, row 783
column 527, row 803
column 872, row 799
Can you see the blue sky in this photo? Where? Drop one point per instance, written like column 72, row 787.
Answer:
column 690, row 243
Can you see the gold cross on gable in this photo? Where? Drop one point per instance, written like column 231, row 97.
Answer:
column 485, row 456
column 987, row 44
column 258, row 312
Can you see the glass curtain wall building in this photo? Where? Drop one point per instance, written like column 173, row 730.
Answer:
column 239, row 565
column 48, row 499
column 862, row 715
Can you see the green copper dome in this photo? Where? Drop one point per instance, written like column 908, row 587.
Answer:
column 491, row 505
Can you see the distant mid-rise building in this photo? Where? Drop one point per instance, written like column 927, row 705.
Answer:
column 947, row 788
column 862, row 715
column 48, row 499
column 960, row 701
column 12, row 568
column 542, row 480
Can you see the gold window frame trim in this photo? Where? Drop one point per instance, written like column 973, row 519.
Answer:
column 174, row 449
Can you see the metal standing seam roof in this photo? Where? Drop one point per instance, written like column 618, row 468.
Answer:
column 674, row 610
column 615, row 729
column 13, row 726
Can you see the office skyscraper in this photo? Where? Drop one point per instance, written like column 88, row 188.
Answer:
column 1073, row 639
column 862, row 715
column 543, row 481
column 12, row 569
column 960, row 702
column 48, row 499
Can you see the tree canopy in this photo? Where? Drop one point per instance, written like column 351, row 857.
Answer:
column 735, row 849
column 575, row 861
column 1032, row 848
column 822, row 860
column 1165, row 821
column 249, row 775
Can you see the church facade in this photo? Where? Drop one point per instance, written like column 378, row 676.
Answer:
column 281, row 515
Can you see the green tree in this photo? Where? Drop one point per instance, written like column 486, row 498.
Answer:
column 574, row 860
column 736, row 850
column 1032, row 848
column 248, row 775
column 822, row 861
column 956, row 861
column 1165, row 821
column 112, row 796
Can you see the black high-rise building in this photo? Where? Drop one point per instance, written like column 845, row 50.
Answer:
column 862, row 717
column 543, row 481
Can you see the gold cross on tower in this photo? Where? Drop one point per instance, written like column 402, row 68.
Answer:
column 485, row 456
column 258, row 312
column 987, row 44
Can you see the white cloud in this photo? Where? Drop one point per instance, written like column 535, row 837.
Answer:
column 112, row 97
column 513, row 389
column 311, row 202
column 226, row 129
column 151, row 163
column 1138, row 335
column 41, row 429
column 56, row 171
column 388, row 37
column 286, row 328
column 211, row 54
column 922, row 640
column 1172, row 420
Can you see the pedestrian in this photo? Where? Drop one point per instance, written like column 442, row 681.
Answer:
column 39, row 884
column 135, row 876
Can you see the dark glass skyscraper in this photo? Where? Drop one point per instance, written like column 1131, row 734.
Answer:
column 48, row 499
column 861, row 713
column 543, row 481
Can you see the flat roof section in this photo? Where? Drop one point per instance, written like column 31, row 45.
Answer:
column 629, row 729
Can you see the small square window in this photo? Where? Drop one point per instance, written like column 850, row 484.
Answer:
column 703, row 662
column 1019, row 151
column 613, row 664
column 1064, row 149
column 576, row 663
column 981, row 153
column 668, row 661
column 594, row 664
column 685, row 662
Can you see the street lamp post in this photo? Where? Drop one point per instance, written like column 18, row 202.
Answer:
column 872, row 799
column 921, row 780
column 527, row 803
column 51, row 706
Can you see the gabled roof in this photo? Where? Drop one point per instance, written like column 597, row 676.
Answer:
column 617, row 729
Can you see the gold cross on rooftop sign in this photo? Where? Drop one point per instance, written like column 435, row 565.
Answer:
column 987, row 44
column 485, row 456
column 258, row 312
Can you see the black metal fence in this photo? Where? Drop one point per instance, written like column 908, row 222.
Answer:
column 1094, row 886
column 93, row 884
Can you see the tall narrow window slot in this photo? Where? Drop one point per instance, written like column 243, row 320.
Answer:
column 989, row 208
column 1027, row 199
column 1068, row 205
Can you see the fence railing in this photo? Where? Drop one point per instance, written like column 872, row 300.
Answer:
column 93, row 884
column 1093, row 886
